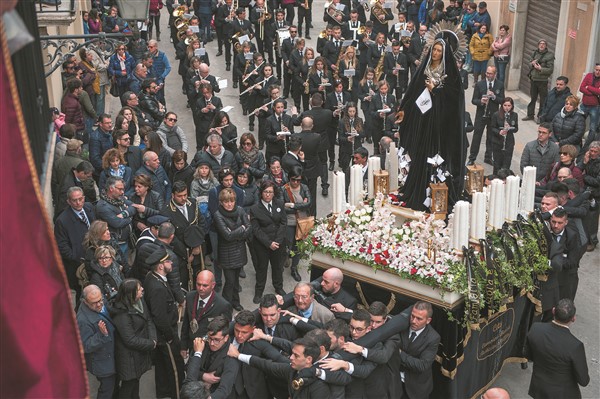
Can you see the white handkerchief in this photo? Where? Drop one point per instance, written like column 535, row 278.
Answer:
column 424, row 101
column 284, row 133
column 427, row 202
column 227, row 108
column 407, row 158
column 223, row 84
column 440, row 175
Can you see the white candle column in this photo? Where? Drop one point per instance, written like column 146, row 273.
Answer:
column 478, row 213
column 392, row 166
column 356, row 185
column 336, row 204
column 496, row 210
column 460, row 230
column 527, row 196
column 512, row 197
column 341, row 190
column 374, row 165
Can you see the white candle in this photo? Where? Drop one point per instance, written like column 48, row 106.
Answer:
column 392, row 161
column 497, row 204
column 478, row 212
column 356, row 185
column 374, row 165
column 341, row 190
column 527, row 196
column 512, row 197
column 336, row 205
column 460, row 230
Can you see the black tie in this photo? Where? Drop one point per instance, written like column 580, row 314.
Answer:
column 381, row 49
column 300, row 53
column 339, row 98
column 383, row 100
column 200, row 305
column 422, row 40
column 556, row 237
column 352, row 122
column 270, row 209
column 241, row 22
column 270, row 331
column 413, row 335
column 280, row 25
column 84, row 218
column 490, row 86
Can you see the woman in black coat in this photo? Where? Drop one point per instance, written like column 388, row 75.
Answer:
column 180, row 170
column 233, row 227
column 135, row 337
column 245, row 182
column 268, row 227
column 106, row 273
column 152, row 201
column 296, row 197
column 504, row 125
column 250, row 157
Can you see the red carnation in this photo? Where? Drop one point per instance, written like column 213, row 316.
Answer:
column 378, row 245
column 413, row 270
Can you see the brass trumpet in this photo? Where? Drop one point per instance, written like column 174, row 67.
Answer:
column 379, row 12
column 323, row 34
column 179, row 11
column 361, row 29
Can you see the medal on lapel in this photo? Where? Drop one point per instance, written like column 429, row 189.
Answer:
column 194, row 326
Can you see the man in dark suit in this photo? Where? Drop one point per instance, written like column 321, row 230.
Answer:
column 395, row 67
column 287, row 46
column 359, row 157
column 163, row 309
column 564, row 254
column 271, row 322
column 80, row 176
column 383, row 100
column 418, row 348
column 190, row 229
column 559, row 362
column 293, row 157
column 69, row 229
column 333, row 48
column 278, row 23
column 330, row 294
column 488, row 95
column 299, row 372
column 251, row 381
column 335, row 101
column 202, row 306
column 276, row 123
column 417, row 43
column 217, row 370
column 207, row 106
column 312, row 164
column 350, row 28
column 321, row 120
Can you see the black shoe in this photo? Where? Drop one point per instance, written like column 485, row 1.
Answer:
column 325, row 192
column 251, row 127
column 489, row 161
column 242, row 273
column 235, row 85
column 245, row 112
column 228, row 68
column 256, row 299
column 470, row 163
column 295, row 275
column 238, row 307
column 307, row 37
column 369, row 140
column 311, row 25
column 527, row 118
column 331, row 166
column 280, row 291
column 219, row 53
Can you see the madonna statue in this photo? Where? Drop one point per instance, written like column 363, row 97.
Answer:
column 438, row 130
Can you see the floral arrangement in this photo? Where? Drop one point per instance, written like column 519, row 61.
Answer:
column 419, row 250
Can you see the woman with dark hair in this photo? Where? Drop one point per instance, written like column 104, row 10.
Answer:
column 320, row 79
column 152, row 201
column 265, row 111
column 233, row 228
column 504, row 125
column 296, row 198
column 135, row 337
column 221, row 125
column 154, row 143
column 106, row 273
column 245, row 182
column 113, row 164
column 481, row 51
column 180, row 170
column 94, row 22
column 275, row 173
column 260, row 93
column 99, row 235
column 436, row 14
column 268, row 227
column 249, row 157
column 350, row 135
column 367, row 88
column 120, row 67
column 132, row 126
column 90, row 78
column 437, row 130
column 300, row 95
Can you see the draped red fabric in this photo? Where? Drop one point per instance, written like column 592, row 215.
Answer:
column 40, row 350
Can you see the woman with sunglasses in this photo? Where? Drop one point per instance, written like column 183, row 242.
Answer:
column 275, row 173
column 132, row 124
column 97, row 236
column 172, row 136
column 296, row 198
column 568, row 154
column 120, row 67
column 250, row 158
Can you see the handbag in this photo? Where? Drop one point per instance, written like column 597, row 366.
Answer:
column 303, row 224
column 114, row 88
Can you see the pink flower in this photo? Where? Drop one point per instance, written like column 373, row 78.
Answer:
column 361, row 250
column 413, row 270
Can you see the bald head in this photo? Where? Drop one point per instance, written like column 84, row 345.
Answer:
column 205, row 283
column 332, row 281
column 204, row 69
column 496, row 393
column 564, row 173
column 307, row 123
column 92, row 298
column 90, row 289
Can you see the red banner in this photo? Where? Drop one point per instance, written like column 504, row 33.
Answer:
column 40, row 348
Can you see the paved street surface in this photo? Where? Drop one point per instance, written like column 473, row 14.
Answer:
column 512, row 378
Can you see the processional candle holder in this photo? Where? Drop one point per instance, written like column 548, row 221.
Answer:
column 439, row 200
column 382, row 182
column 475, row 177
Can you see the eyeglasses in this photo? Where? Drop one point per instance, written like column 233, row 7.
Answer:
column 172, row 119
column 215, row 340
column 296, row 179
column 126, row 138
column 357, row 329
column 105, row 258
